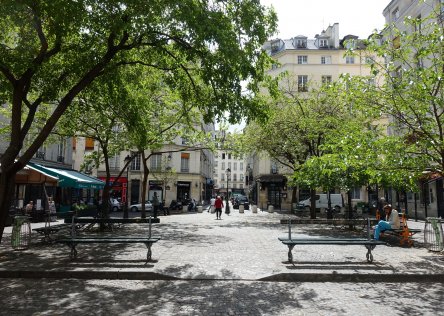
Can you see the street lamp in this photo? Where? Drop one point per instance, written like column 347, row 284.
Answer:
column 127, row 161
column 227, row 207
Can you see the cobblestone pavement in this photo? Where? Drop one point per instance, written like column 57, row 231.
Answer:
column 233, row 266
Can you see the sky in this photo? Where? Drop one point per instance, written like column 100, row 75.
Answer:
column 310, row 17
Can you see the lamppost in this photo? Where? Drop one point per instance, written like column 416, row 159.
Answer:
column 127, row 161
column 227, row 207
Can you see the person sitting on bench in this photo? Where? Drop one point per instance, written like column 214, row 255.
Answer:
column 391, row 222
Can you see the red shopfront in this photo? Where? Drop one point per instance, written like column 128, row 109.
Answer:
column 118, row 189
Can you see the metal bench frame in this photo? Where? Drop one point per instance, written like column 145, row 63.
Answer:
column 73, row 241
column 369, row 243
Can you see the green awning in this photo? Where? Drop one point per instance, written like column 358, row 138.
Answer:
column 69, row 178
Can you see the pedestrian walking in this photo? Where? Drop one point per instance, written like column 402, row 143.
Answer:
column 155, row 204
column 218, row 204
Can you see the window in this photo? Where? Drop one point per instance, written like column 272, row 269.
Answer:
column 156, row 162
column 135, row 163
column 234, row 165
column 326, row 79
column 184, row 162
column 323, row 43
column 184, row 141
column 234, row 177
column 241, row 186
column 274, row 168
column 229, row 165
column 89, row 143
column 326, row 60
column 216, row 163
column 222, row 177
column 229, row 156
column 300, row 43
column 302, row 83
column 356, row 193
column 241, row 177
column 350, row 43
column 61, row 152
column 223, row 155
column 350, row 59
column 302, row 59
column 223, row 166
column 418, row 24
column 395, row 14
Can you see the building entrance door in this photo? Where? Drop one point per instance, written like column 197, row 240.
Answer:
column 274, row 195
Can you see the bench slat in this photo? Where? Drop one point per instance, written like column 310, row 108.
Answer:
column 332, row 242
column 107, row 240
column 85, row 220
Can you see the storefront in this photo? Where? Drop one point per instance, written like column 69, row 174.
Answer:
column 183, row 191
column 273, row 191
column 37, row 183
column 118, row 187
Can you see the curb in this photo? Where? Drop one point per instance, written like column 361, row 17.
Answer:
column 355, row 278
column 282, row 277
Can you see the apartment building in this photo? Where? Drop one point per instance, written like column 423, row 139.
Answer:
column 430, row 199
column 229, row 171
column 312, row 61
column 179, row 172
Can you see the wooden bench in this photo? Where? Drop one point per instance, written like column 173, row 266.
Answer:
column 369, row 243
column 74, row 240
column 403, row 232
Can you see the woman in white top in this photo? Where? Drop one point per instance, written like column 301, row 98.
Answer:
column 391, row 222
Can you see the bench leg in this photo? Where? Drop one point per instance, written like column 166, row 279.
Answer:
column 369, row 255
column 148, row 254
column 290, row 254
column 73, row 254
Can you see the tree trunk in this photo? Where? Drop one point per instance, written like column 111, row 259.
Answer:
column 349, row 204
column 313, row 203
column 7, row 185
column 144, row 183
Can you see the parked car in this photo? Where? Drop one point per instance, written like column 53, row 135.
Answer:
column 336, row 200
column 114, row 205
column 241, row 200
column 138, row 207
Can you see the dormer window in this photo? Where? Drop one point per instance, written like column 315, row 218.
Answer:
column 350, row 44
column 300, row 42
column 276, row 46
column 323, row 43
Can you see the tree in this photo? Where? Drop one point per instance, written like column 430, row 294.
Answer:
column 51, row 50
column 411, row 93
column 298, row 126
column 105, row 102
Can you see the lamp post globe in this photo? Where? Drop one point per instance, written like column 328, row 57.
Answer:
column 227, row 207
